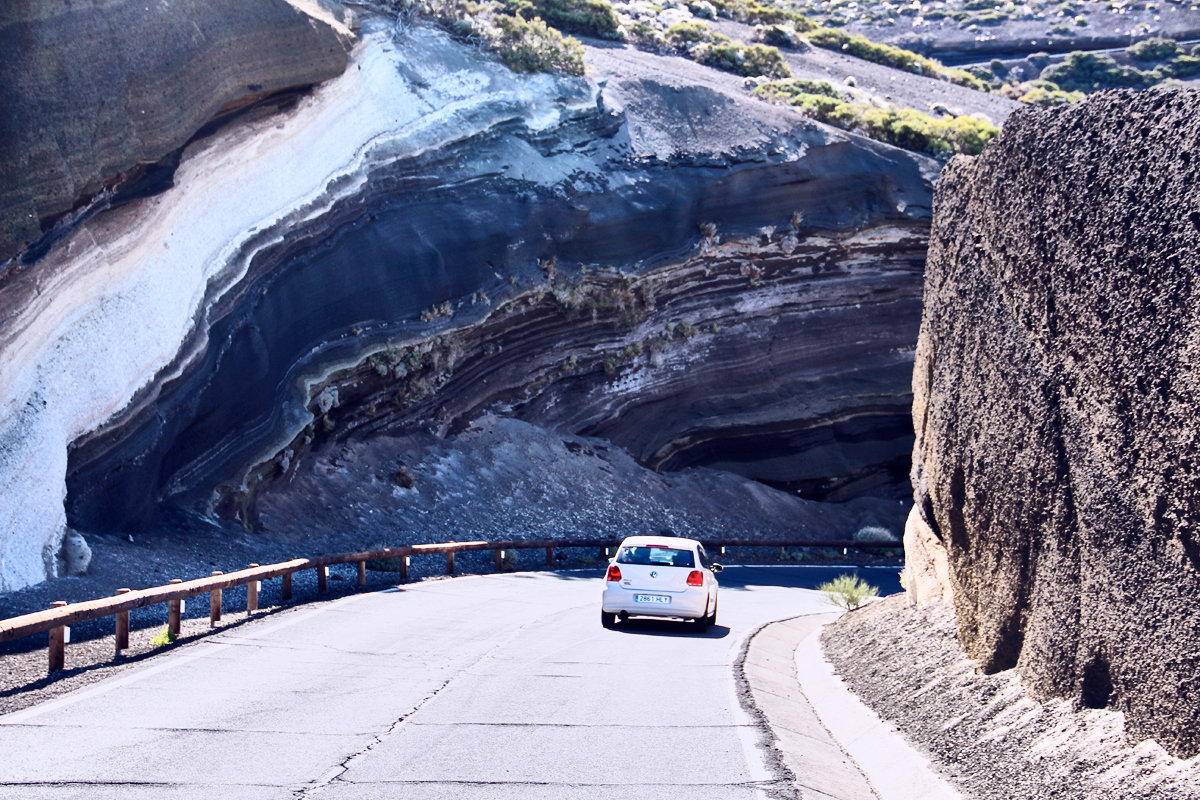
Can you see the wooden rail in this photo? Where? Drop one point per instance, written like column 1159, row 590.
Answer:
column 56, row 619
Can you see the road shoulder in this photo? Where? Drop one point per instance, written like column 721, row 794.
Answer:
column 833, row 745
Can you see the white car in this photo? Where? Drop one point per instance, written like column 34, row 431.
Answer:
column 660, row 576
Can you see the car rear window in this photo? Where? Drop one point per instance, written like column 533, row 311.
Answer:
column 656, row 556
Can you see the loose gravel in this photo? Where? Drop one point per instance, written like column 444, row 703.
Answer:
column 981, row 731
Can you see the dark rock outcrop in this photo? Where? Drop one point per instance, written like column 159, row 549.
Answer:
column 470, row 252
column 656, row 258
column 1056, row 395
column 97, row 93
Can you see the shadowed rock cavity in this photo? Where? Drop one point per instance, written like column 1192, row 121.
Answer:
column 779, row 354
column 1055, row 404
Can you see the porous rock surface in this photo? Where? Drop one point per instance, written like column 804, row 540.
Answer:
column 94, row 92
column 1055, row 397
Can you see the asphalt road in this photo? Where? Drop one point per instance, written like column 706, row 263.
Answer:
column 476, row 687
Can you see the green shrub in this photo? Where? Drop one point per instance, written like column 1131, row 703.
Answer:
column 760, row 59
column 164, row 637
column 701, row 43
column 799, row 86
column 1154, row 49
column 684, row 33
column 903, row 127
column 1183, row 66
column 1090, row 72
column 1043, row 93
column 533, row 46
column 848, row 591
column 891, row 56
column 586, row 17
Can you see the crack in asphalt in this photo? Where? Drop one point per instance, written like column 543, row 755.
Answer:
column 337, row 773
column 343, row 767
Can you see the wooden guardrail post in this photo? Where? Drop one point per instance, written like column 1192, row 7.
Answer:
column 251, row 595
column 58, row 642
column 286, row 591
column 122, row 635
column 322, row 578
column 499, row 560
column 174, row 613
column 549, row 556
column 214, row 602
column 404, row 568
column 362, row 573
column 450, row 563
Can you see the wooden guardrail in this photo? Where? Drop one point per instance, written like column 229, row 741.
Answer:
column 60, row 615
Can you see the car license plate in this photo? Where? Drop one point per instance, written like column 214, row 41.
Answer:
column 660, row 599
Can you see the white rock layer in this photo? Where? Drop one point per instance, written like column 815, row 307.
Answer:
column 118, row 300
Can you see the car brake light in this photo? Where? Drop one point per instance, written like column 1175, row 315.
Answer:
column 695, row 578
column 614, row 572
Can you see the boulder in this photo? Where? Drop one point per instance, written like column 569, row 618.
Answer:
column 1055, row 403
column 75, row 556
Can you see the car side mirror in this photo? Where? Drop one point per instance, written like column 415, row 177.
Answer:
column 717, row 568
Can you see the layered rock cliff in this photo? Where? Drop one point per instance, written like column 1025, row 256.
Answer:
column 1055, row 405
column 690, row 274
column 101, row 94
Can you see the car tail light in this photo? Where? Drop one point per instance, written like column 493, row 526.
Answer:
column 614, row 572
column 695, row 578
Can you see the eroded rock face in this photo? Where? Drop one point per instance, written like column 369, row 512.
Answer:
column 484, row 211
column 176, row 357
column 1056, row 390
column 97, row 92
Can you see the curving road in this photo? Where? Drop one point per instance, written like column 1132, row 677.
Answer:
column 475, row 687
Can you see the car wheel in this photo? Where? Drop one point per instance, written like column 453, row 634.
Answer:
column 608, row 620
column 712, row 618
column 702, row 622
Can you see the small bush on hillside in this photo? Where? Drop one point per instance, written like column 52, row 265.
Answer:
column 1091, row 72
column 1040, row 93
column 684, row 33
column 848, row 591
column 903, row 127
column 1154, row 49
column 586, row 17
column 533, row 46
column 890, row 56
column 875, row 534
column 701, row 43
column 1183, row 66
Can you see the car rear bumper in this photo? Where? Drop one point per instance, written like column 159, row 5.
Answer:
column 689, row 605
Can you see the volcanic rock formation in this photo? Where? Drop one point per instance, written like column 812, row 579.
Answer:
column 100, row 94
column 1055, row 404
column 697, row 277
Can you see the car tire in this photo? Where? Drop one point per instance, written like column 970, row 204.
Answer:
column 712, row 618
column 702, row 622
column 608, row 620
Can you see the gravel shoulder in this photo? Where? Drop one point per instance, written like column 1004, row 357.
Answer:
column 981, row 731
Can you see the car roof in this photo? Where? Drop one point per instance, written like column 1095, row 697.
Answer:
column 677, row 542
